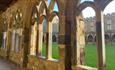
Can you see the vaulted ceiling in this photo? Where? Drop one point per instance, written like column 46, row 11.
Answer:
column 5, row 3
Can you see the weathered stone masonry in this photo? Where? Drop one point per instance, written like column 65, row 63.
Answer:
column 20, row 17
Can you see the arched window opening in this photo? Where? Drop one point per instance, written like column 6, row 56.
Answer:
column 13, row 33
column 87, row 52
column 109, row 21
column 55, row 32
column 44, row 38
column 18, row 28
column 54, row 37
column 16, row 33
column 90, row 38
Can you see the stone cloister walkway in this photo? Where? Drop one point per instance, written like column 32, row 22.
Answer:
column 5, row 65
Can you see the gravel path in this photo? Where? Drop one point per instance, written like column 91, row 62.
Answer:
column 5, row 65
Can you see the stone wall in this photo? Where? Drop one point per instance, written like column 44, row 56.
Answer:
column 37, row 63
column 3, row 53
column 15, row 57
column 34, row 63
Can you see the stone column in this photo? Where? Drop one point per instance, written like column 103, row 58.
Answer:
column 70, row 34
column 40, row 38
column 26, row 30
column 13, row 40
column 48, row 40
column 8, row 43
column 80, row 40
column 33, row 39
column 100, row 40
column 61, row 36
column 9, row 31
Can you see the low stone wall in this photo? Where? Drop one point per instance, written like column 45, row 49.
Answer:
column 16, row 58
column 3, row 53
column 82, row 67
column 36, row 63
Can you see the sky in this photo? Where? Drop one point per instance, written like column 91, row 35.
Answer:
column 110, row 8
column 55, row 6
column 89, row 12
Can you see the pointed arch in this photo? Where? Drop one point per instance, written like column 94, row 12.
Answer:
column 43, row 7
column 53, row 14
column 41, row 18
column 35, row 15
column 106, row 2
column 90, row 38
column 84, row 5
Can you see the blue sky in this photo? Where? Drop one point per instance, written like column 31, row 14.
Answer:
column 88, row 12
column 55, row 7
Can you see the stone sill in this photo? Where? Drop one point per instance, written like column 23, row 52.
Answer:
column 51, row 59
column 82, row 67
column 44, row 58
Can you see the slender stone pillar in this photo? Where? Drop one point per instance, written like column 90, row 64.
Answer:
column 8, row 43
column 33, row 39
column 40, row 42
column 49, row 40
column 100, row 40
column 13, row 37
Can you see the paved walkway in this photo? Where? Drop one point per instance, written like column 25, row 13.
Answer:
column 5, row 65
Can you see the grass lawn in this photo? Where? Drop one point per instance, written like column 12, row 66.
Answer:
column 90, row 55
column 55, row 51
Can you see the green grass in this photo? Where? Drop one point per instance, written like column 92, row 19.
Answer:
column 90, row 55
column 110, row 57
column 55, row 51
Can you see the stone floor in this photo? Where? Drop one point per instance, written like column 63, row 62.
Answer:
column 5, row 65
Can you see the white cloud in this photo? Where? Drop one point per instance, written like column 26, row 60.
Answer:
column 89, row 12
column 110, row 7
